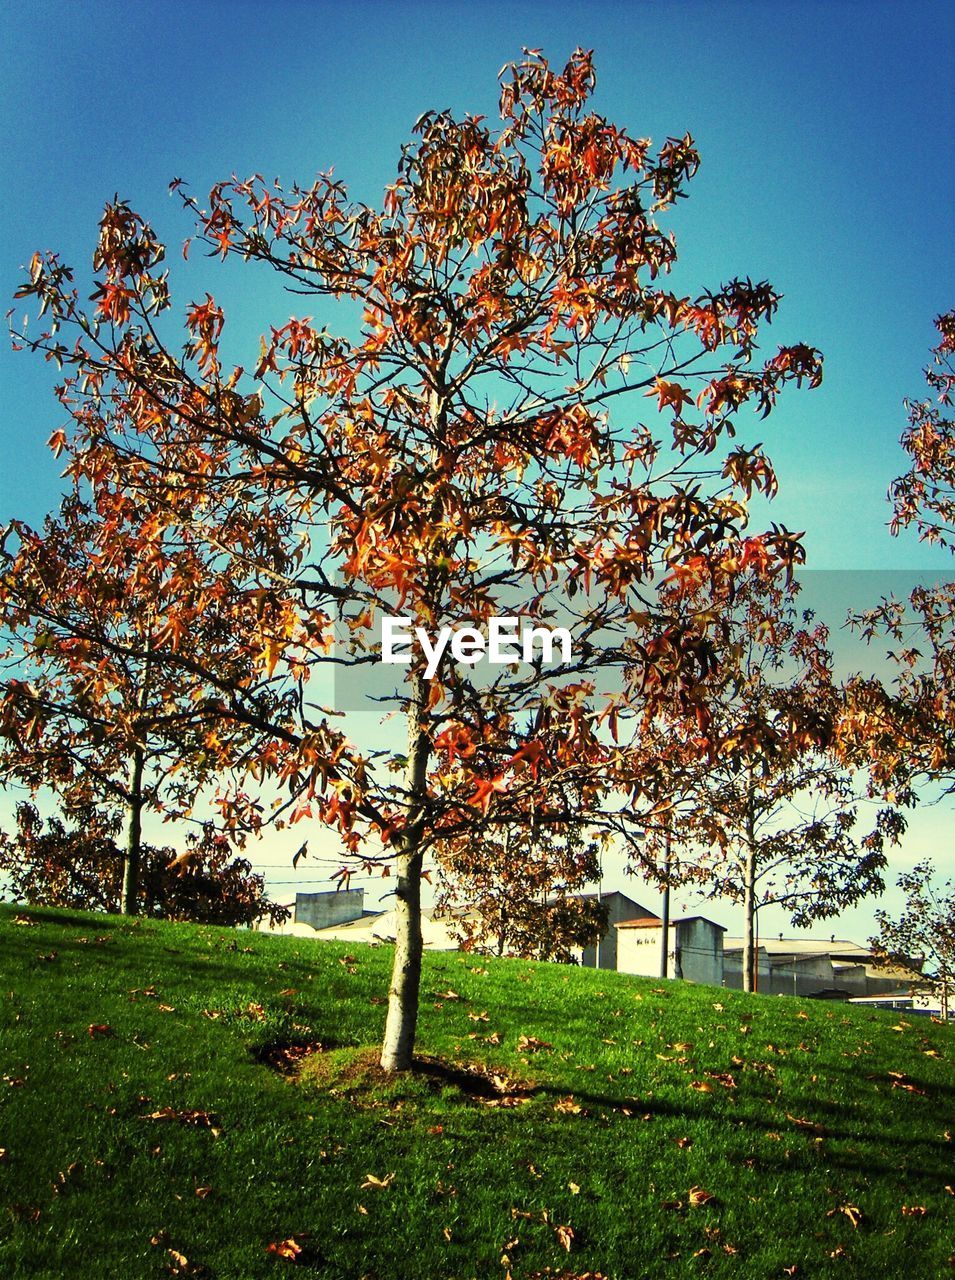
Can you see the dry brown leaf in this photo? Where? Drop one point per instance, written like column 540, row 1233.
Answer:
column 530, row 1044
column 288, row 1249
column 567, row 1106
column 809, row 1125
column 565, row 1236
column 698, row 1196
column 378, row 1183
column 914, row 1211
column 852, row 1212
column 722, row 1077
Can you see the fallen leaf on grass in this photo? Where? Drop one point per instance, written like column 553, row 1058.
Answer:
column 565, row 1236
column 97, row 1029
column 698, row 1196
column 203, row 1192
column 68, row 1175
column 372, row 1181
column 852, row 1212
column 914, row 1211
column 196, row 1118
column 900, row 1081
column 809, row 1125
column 722, row 1077
column 288, row 1249
column 573, row 1188
column 530, row 1044
column 567, row 1106
column 701, row 1086
column 179, row 1265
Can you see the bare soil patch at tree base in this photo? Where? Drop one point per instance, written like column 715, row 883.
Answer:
column 357, row 1072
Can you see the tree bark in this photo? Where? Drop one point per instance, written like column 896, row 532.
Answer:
column 750, row 959
column 397, row 1050
column 129, row 903
column 665, row 943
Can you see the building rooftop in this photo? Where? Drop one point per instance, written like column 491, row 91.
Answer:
column 841, row 947
column 654, row 922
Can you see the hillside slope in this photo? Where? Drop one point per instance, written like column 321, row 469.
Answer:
column 160, row 1114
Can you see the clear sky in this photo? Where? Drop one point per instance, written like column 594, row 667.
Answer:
column 825, row 131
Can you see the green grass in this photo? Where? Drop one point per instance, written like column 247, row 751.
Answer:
column 800, row 1121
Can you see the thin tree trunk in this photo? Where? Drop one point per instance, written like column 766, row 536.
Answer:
column 129, row 903
column 397, row 1050
column 750, row 958
column 664, row 957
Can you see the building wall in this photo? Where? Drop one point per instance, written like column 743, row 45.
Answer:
column 698, row 951
column 638, row 951
column 695, row 951
column 323, row 910
column 733, row 969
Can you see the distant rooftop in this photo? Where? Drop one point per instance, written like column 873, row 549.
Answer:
column 654, row 922
column 802, row 946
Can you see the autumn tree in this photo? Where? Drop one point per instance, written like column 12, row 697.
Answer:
column 80, row 866
column 903, row 728
column 924, row 932
column 526, row 413
column 760, row 809
column 522, row 891
column 87, row 709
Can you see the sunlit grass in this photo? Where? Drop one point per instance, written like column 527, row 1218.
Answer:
column 821, row 1133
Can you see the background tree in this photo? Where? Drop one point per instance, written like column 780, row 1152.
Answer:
column 81, row 866
column 903, row 729
column 517, row 889
column 925, row 931
column 526, row 412
column 761, row 810
column 87, row 709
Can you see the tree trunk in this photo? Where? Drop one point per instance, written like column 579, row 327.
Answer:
column 129, row 903
column 665, row 944
column 750, row 958
column 397, row 1050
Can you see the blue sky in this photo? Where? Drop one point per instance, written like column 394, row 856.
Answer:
column 825, row 131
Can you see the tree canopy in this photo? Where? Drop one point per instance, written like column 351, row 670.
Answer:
column 525, row 414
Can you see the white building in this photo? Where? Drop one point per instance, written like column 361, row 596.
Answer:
column 694, row 948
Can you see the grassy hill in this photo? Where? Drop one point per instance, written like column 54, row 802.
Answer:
column 160, row 1113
